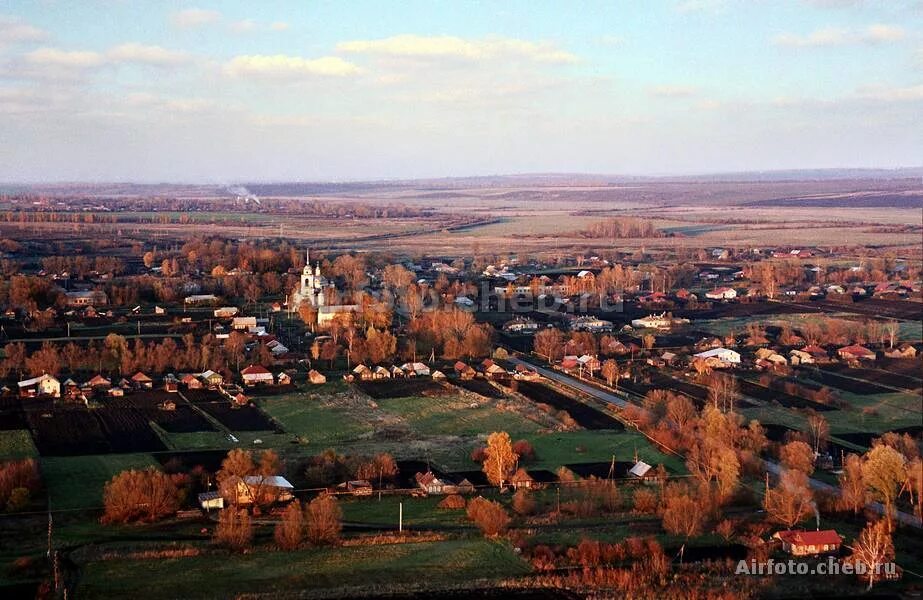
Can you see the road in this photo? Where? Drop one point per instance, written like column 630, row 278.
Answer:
column 772, row 467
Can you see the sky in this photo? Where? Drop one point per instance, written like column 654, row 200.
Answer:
column 314, row 90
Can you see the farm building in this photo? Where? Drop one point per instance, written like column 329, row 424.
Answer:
column 191, row 382
column 661, row 321
column 316, row 377
column 719, row 357
column 465, row 371
column 211, row 378
column 520, row 325
column 243, row 323
column 363, row 373
column 817, row 353
column 804, row 543
column 226, row 312
column 257, row 488
column 284, row 378
column 87, row 298
column 98, row 381
column 380, row 372
column 721, row 293
column 356, row 487
column 200, row 299
column 431, row 484
column 521, row 480
column 416, row 368
column 142, row 381
column 855, row 352
column 256, row 375
column 800, row 357
column 211, row 500
column 902, row 351
column 43, row 385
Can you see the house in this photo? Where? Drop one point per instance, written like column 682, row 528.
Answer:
column 380, row 372
column 171, row 384
column 438, row 375
column 263, row 490
column 721, row 293
column 362, row 372
column 284, row 378
column 589, row 363
column 902, row 351
column 191, row 382
column 200, row 299
column 570, row 364
column 719, row 357
column 211, row 500
column 465, row 371
column 71, row 389
column 211, row 378
column 87, row 298
column 225, row 312
column 855, row 352
column 464, row 301
column 431, row 484
column 495, row 371
column 525, row 373
column 661, row 321
column 115, row 392
column 142, row 381
column 396, row 372
column 43, row 385
column 240, row 399
column 243, row 323
column 640, row 470
column 465, row 487
column 416, row 368
column 591, row 324
column 256, row 375
column 521, row 480
column 98, row 381
column 817, row 353
column 316, row 377
column 356, row 487
column 800, row 357
column 804, row 543
column 521, row 325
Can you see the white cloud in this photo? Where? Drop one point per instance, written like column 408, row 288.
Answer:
column 673, row 91
column 409, row 45
column 16, row 31
column 147, row 55
column 891, row 94
column 833, row 36
column 54, row 57
column 251, row 26
column 284, row 67
column 194, row 17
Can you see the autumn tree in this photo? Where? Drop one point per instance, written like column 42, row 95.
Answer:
column 798, row 456
column 853, row 492
column 791, row 501
column 610, row 370
column 682, row 514
column 883, row 471
column 234, row 529
column 380, row 467
column 500, row 460
column 134, row 495
column 490, row 517
column 872, row 550
column 323, row 516
column 548, row 343
column 289, row 532
column 523, row 502
column 819, row 430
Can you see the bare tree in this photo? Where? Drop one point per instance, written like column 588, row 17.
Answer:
column 791, row 501
column 324, row 517
column 873, row 549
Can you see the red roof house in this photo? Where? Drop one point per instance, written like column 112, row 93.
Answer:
column 802, row 543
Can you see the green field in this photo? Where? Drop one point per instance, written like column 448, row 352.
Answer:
column 455, row 415
column 553, row 450
column 77, row 481
column 221, row 575
column 307, row 416
column 16, row 443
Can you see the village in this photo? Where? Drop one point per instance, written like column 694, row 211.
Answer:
column 554, row 403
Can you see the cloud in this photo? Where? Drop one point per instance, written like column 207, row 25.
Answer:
column 409, row 45
column 891, row 94
column 16, row 31
column 251, row 26
column 832, row 36
column 194, row 17
column 75, row 59
column 156, row 56
column 284, row 67
column 672, row 91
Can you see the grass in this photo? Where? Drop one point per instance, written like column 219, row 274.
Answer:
column 16, row 443
column 419, row 513
column 455, row 416
column 216, row 440
column 220, row 575
column 555, row 449
column 308, row 418
column 77, row 481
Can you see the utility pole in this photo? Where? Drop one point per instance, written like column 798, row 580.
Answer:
column 400, row 517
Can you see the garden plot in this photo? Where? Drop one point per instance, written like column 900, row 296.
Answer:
column 399, row 388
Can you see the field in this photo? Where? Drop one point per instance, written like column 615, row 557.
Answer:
column 16, row 443
column 77, row 482
column 369, row 567
column 585, row 416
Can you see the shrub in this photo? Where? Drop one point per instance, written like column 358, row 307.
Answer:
column 18, row 500
column 234, row 530
column 523, row 502
column 323, row 517
column 133, row 495
column 524, row 449
column 452, row 501
column 290, row 530
column 17, row 474
column 490, row 517
column 645, row 501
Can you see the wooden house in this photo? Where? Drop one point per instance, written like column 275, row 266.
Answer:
column 808, row 543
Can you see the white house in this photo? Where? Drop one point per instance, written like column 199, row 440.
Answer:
column 43, row 385
column 721, row 293
column 256, row 374
column 720, row 354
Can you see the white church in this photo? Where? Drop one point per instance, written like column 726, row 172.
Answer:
column 312, row 291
